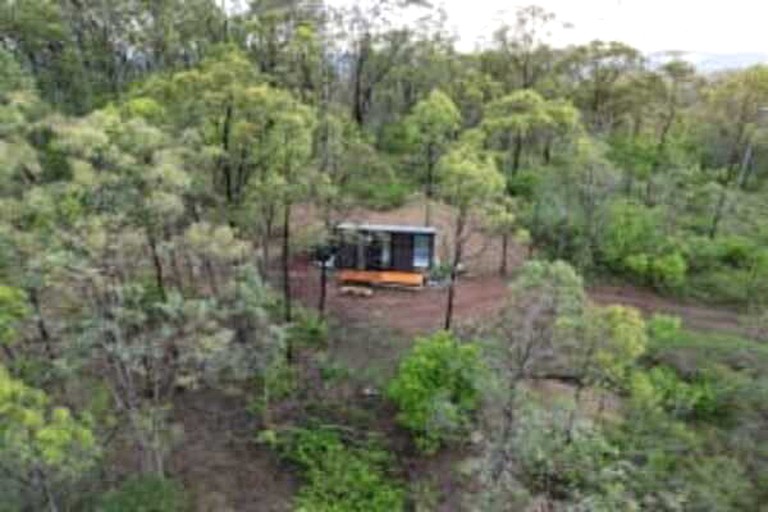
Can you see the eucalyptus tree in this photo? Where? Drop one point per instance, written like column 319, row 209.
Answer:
column 525, row 116
column 289, row 42
column 525, row 341
column 501, row 219
column 520, row 57
column 569, row 209
column 596, row 73
column 467, row 180
column 650, row 138
column 84, row 54
column 292, row 139
column 124, row 243
column 736, row 104
column 375, row 45
column 43, row 448
column 435, row 121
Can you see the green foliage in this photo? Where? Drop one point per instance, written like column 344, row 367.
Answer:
column 634, row 243
column 40, row 443
column 615, row 338
column 146, row 493
column 662, row 328
column 668, row 271
column 680, row 398
column 340, row 477
column 437, row 389
column 688, row 351
column 379, row 191
column 467, row 178
column 13, row 309
column 125, row 230
column 648, row 461
column 272, row 384
column 554, row 461
column 14, row 77
column 308, row 330
column 555, row 281
column 672, row 465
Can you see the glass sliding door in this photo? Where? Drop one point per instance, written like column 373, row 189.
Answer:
column 421, row 251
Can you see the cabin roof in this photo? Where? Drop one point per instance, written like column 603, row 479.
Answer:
column 387, row 228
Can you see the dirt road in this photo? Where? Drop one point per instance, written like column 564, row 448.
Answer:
column 416, row 312
column 422, row 311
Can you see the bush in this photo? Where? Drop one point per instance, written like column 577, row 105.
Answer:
column 632, row 229
column 680, row 398
column 144, row 494
column 663, row 328
column 437, row 389
column 562, row 463
column 728, row 286
column 340, row 478
column 668, row 270
column 633, row 243
column 381, row 196
column 308, row 330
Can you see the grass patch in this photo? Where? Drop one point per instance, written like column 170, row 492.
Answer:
column 339, row 475
column 689, row 352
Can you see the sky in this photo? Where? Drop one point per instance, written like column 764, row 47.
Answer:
column 706, row 26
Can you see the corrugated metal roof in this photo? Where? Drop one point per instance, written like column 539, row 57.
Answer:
column 388, row 228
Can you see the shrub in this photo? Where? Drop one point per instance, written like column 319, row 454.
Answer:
column 144, row 494
column 558, row 461
column 668, row 270
column 382, row 196
column 663, row 328
column 437, row 389
column 632, row 229
column 678, row 397
column 308, row 330
column 341, row 478
column 720, row 286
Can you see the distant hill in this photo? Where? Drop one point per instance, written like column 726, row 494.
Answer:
column 710, row 62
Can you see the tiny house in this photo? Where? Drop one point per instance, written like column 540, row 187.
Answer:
column 384, row 253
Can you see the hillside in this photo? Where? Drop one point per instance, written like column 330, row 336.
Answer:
column 239, row 273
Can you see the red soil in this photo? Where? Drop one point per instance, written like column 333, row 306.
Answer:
column 479, row 294
column 422, row 311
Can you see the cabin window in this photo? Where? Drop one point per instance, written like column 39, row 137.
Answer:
column 378, row 251
column 421, row 245
column 386, row 250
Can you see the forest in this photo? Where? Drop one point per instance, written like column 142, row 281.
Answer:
column 169, row 168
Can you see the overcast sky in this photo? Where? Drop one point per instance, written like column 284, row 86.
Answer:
column 711, row 26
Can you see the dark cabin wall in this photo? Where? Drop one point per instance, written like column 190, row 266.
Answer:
column 402, row 251
column 346, row 255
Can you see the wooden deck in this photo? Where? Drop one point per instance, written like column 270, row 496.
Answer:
column 381, row 277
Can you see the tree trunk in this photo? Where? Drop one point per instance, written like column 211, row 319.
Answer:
column 286, row 261
column 429, row 191
column 42, row 327
column 358, row 107
column 745, row 167
column 720, row 208
column 323, row 287
column 49, row 497
column 157, row 263
column 517, row 152
column 226, row 165
column 451, row 294
column 649, row 192
column 504, row 254
column 269, row 219
column 458, row 245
